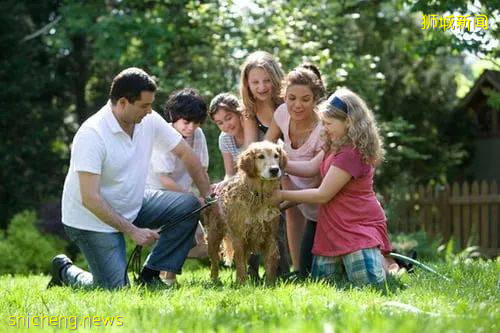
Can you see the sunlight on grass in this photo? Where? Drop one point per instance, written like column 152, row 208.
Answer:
column 420, row 302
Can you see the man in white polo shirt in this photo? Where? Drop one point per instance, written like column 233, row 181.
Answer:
column 104, row 192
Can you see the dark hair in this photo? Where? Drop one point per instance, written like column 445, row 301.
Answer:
column 185, row 104
column 309, row 75
column 225, row 101
column 312, row 68
column 129, row 83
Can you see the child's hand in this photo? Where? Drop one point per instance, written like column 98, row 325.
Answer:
column 276, row 197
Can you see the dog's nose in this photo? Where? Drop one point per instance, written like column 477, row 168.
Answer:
column 274, row 171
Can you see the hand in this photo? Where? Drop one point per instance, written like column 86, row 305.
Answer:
column 144, row 236
column 216, row 187
column 276, row 197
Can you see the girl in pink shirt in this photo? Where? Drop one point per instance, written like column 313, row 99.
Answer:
column 351, row 235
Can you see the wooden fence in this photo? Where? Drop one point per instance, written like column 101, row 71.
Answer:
column 467, row 212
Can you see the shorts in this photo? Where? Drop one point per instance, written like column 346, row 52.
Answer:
column 360, row 267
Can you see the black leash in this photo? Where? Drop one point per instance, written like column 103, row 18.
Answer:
column 135, row 259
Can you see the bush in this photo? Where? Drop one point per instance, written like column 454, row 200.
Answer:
column 24, row 249
column 426, row 248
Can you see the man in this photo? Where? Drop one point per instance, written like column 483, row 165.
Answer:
column 104, row 194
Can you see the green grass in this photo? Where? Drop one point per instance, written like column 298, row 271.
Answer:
column 469, row 302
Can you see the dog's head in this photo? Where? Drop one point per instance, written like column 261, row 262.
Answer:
column 265, row 160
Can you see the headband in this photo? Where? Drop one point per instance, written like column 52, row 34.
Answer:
column 338, row 103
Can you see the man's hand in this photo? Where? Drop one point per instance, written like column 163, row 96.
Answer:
column 143, row 236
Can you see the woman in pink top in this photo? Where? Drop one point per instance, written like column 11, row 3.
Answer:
column 351, row 235
column 297, row 123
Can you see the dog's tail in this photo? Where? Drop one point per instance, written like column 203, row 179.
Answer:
column 227, row 251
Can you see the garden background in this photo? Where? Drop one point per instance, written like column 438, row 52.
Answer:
column 59, row 56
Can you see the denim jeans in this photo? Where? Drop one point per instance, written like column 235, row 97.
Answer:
column 105, row 252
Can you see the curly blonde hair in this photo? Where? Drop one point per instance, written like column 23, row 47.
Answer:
column 362, row 130
column 264, row 60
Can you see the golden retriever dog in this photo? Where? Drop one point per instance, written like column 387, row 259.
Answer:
column 244, row 216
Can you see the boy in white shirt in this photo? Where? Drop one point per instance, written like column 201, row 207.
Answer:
column 185, row 110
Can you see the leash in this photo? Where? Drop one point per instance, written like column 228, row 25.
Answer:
column 417, row 263
column 135, row 259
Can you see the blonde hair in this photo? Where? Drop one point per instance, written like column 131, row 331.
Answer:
column 362, row 130
column 264, row 60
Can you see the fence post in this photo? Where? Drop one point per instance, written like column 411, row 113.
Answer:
column 494, row 219
column 457, row 230
column 465, row 215
column 474, row 213
column 444, row 213
column 485, row 217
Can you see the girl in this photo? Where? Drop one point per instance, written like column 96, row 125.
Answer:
column 226, row 113
column 260, row 89
column 297, row 122
column 186, row 111
column 351, row 232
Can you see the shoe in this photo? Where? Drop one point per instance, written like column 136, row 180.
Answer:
column 294, row 276
column 155, row 280
column 59, row 262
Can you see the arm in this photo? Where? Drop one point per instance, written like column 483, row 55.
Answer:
column 228, row 165
column 273, row 133
column 193, row 166
column 97, row 205
column 305, row 168
column 169, row 183
column 333, row 182
column 250, row 130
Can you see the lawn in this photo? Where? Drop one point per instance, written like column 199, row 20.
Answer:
column 419, row 302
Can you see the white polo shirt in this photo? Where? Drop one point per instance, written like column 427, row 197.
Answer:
column 102, row 147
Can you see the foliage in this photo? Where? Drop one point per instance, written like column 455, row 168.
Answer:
column 56, row 79
column 24, row 249
column 427, row 249
column 469, row 302
column 31, row 118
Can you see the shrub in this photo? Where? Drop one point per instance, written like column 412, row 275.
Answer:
column 24, row 249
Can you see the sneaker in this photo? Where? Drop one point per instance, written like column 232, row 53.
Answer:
column 155, row 281
column 59, row 262
column 294, row 276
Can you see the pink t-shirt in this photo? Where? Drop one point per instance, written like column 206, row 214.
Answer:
column 306, row 152
column 353, row 219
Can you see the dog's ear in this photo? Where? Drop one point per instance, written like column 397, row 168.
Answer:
column 246, row 162
column 283, row 158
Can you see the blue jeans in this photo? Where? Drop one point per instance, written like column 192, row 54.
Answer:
column 105, row 252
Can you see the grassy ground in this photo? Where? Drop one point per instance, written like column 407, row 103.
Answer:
column 469, row 302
